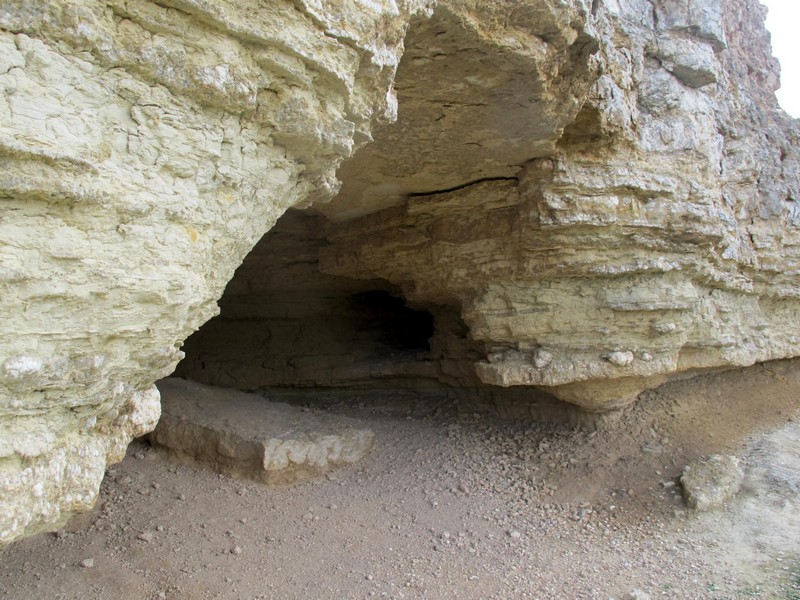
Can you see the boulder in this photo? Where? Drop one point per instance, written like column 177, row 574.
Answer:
column 247, row 436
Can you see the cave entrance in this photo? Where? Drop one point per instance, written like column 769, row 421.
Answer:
column 292, row 332
column 286, row 325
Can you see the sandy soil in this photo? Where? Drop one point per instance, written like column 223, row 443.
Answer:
column 454, row 504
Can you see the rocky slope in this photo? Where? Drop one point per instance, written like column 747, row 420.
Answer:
column 586, row 197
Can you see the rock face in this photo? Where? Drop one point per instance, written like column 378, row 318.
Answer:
column 585, row 198
column 244, row 435
column 611, row 204
column 651, row 232
column 145, row 148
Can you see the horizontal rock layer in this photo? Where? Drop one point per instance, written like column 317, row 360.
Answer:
column 631, row 217
column 658, row 234
column 587, row 198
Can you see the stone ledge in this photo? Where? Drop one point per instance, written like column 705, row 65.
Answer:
column 246, row 436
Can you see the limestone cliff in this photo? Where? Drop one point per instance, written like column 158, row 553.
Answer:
column 144, row 148
column 586, row 197
column 653, row 229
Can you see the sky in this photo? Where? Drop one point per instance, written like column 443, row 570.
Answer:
column 782, row 22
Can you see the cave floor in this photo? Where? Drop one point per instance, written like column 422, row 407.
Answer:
column 455, row 504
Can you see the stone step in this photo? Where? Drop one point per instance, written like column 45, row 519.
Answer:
column 247, row 436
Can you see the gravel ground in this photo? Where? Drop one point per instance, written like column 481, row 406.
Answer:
column 453, row 503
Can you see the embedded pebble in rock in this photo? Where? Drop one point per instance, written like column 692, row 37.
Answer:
column 710, row 482
column 621, row 359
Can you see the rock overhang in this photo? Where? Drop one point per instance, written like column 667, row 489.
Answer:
column 590, row 198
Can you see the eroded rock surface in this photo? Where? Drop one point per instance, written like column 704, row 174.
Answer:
column 710, row 482
column 587, row 198
column 652, row 232
column 248, row 436
column 611, row 204
column 144, row 148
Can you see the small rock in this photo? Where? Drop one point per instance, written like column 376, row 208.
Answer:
column 621, row 359
column 636, row 595
column 710, row 482
column 542, row 358
column 514, row 534
column 145, row 536
column 87, row 563
column 181, row 497
column 237, row 550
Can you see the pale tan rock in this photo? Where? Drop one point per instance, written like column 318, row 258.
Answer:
column 568, row 183
column 643, row 243
column 709, row 483
column 248, row 436
column 145, row 148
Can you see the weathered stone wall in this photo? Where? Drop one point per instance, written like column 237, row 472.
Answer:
column 604, row 193
column 657, row 236
column 144, row 148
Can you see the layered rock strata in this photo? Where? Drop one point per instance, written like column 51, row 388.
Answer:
column 650, row 233
column 145, row 147
column 612, row 204
column 585, row 197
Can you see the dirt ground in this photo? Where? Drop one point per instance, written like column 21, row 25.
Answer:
column 452, row 503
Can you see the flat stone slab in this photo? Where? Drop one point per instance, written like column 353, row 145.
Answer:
column 710, row 482
column 247, row 436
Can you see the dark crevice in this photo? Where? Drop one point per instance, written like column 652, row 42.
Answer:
column 392, row 322
column 461, row 186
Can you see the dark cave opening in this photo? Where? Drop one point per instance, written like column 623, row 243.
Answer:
column 285, row 323
column 289, row 330
column 397, row 326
